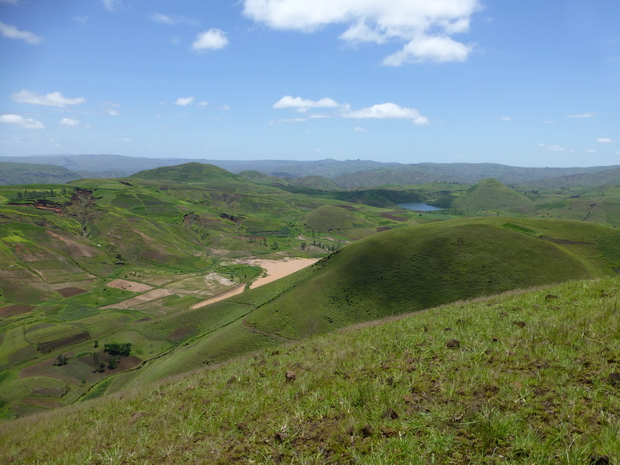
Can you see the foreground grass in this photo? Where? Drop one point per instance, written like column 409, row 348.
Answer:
column 531, row 380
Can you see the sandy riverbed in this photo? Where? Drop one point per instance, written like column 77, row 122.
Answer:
column 275, row 269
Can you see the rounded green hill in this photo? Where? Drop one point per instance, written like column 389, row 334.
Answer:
column 419, row 267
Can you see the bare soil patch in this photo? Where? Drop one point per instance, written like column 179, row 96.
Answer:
column 348, row 207
column 152, row 255
column 65, row 341
column 48, row 392
column 70, row 291
column 44, row 403
column 222, row 296
column 181, row 333
column 277, row 269
column 132, row 286
column 566, row 241
column 74, row 248
column 13, row 310
column 141, row 299
column 393, row 216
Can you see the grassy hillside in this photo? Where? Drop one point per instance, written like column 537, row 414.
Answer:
column 490, row 194
column 609, row 177
column 454, row 172
column 117, row 260
column 390, row 273
column 529, row 377
column 24, row 173
column 423, row 266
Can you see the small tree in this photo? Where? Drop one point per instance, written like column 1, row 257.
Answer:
column 61, row 360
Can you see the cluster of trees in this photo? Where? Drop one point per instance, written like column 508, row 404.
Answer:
column 34, row 194
column 328, row 247
column 114, row 348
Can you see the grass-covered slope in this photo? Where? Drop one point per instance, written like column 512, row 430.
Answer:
column 390, row 273
column 191, row 172
column 527, row 378
column 419, row 267
column 490, row 194
column 25, row 173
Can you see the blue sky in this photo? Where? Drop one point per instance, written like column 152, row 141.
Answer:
column 525, row 83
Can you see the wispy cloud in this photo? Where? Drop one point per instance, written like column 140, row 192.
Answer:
column 506, row 118
column 110, row 108
column 80, row 19
column 553, row 148
column 585, row 115
column 290, row 120
column 172, row 20
column 13, row 33
column 605, row 140
column 55, row 99
column 112, row 5
column 213, row 39
column 21, row 121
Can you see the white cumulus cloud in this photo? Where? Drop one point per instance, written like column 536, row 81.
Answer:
column 213, row 39
column 69, row 122
column 425, row 48
column 388, row 110
column 55, row 99
column 184, row 101
column 605, row 140
column 13, row 33
column 303, row 105
column 21, row 121
column 424, row 26
column 204, row 103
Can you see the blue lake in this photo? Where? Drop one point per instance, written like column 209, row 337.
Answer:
column 418, row 206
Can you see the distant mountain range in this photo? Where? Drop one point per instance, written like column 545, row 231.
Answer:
column 348, row 174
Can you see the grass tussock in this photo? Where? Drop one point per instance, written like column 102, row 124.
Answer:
column 528, row 377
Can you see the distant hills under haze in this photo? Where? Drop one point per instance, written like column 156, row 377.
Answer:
column 346, row 174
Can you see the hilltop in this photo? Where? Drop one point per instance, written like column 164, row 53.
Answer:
column 490, row 194
column 528, row 377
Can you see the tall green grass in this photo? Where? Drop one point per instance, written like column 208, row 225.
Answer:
column 531, row 381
